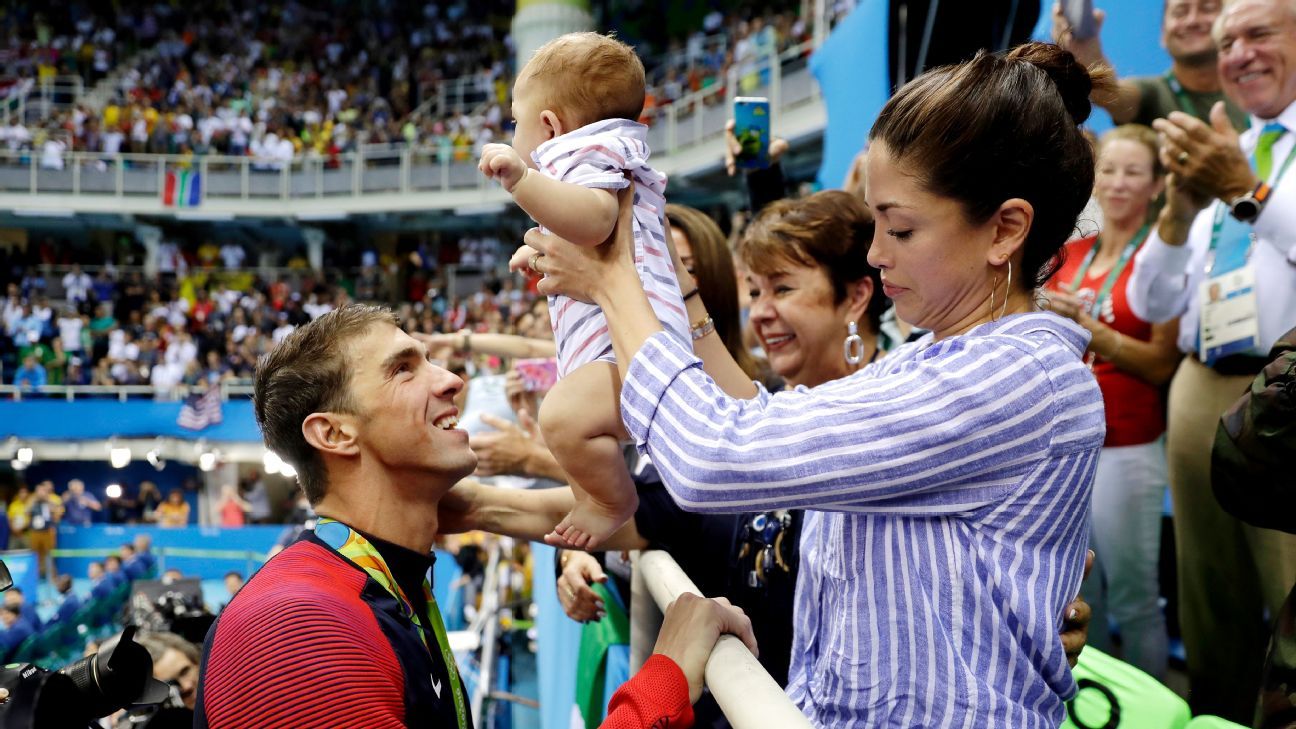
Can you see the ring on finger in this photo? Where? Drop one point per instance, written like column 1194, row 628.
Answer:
column 535, row 258
column 1182, row 158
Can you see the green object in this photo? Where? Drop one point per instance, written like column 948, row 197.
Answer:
column 1213, row 722
column 596, row 638
column 1116, row 695
column 1264, row 150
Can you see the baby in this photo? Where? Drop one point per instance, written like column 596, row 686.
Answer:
column 574, row 103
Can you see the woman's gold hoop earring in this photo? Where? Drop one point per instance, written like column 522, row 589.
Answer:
column 994, row 285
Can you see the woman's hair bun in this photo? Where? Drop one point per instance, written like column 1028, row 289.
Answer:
column 1074, row 82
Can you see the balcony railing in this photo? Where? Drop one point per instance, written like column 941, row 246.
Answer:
column 235, row 389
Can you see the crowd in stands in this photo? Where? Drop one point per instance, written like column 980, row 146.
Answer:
column 203, row 319
column 283, row 81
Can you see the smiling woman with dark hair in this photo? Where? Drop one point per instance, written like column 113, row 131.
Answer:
column 948, row 481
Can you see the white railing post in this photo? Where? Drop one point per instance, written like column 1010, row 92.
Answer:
column 746, row 693
column 405, row 170
column 245, row 181
column 119, row 175
column 776, row 82
column 203, row 179
column 357, row 169
column 75, row 160
column 32, row 158
column 645, row 617
column 672, row 120
column 285, row 174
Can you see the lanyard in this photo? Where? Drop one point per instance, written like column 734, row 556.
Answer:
column 1217, row 225
column 1115, row 271
column 1185, row 101
column 356, row 549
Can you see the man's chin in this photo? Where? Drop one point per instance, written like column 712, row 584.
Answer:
column 1197, row 57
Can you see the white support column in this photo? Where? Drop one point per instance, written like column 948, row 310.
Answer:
column 149, row 236
column 314, row 238
column 537, row 22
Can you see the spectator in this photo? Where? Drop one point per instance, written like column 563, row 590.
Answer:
column 1192, row 85
column 233, row 582
column 174, row 512
column 18, row 519
column 113, row 572
column 43, row 514
column 1224, row 219
column 258, row 499
column 15, row 598
column 13, row 631
column 148, row 501
column 76, row 285
column 141, row 562
column 69, row 602
column 78, row 506
column 231, row 507
column 100, row 585
column 1132, row 361
column 31, row 376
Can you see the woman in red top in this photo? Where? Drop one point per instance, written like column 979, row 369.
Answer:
column 1132, row 360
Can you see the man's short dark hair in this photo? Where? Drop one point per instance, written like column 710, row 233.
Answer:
column 233, row 573
column 310, row 372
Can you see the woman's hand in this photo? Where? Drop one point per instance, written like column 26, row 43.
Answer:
column 1075, row 622
column 777, row 147
column 586, row 274
column 579, row 601
column 520, row 399
column 1068, row 305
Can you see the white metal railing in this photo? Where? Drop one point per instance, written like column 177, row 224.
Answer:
column 694, row 120
column 229, row 389
column 746, row 693
column 40, row 98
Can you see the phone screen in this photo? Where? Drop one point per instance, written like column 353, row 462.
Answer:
column 752, row 129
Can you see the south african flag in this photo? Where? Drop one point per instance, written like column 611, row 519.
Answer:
column 183, row 189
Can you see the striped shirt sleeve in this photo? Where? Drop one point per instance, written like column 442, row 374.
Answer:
column 947, row 432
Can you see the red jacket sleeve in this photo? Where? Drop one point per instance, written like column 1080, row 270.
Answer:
column 657, row 697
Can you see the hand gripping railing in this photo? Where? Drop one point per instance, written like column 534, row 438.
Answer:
column 748, row 696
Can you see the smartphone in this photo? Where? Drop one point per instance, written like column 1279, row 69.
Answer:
column 1080, row 14
column 752, row 129
column 538, row 375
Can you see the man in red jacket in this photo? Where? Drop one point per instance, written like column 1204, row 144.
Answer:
column 341, row 628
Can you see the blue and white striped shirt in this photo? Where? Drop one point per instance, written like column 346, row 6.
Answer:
column 950, row 485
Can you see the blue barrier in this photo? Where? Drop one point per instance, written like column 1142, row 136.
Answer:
column 87, row 419
column 24, row 571
column 252, row 539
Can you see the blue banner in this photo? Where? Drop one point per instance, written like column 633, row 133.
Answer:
column 23, row 569
column 851, row 67
column 87, row 419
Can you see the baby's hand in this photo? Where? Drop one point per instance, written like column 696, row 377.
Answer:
column 503, row 163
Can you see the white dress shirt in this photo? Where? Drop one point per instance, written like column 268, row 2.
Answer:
column 1166, row 278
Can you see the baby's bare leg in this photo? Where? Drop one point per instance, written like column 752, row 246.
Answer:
column 581, row 421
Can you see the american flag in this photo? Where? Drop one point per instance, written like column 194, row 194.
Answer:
column 201, row 410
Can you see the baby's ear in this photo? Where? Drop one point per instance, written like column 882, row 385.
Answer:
column 552, row 124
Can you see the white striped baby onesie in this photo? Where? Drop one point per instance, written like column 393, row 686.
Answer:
column 598, row 155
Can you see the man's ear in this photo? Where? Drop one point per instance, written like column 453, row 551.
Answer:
column 1012, row 223
column 553, row 126
column 331, row 434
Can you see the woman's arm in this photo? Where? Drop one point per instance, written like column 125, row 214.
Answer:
column 503, row 345
column 520, row 513
column 1154, row 361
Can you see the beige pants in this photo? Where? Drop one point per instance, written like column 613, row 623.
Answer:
column 1229, row 572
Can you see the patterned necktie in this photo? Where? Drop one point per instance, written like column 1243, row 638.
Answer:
column 1264, row 148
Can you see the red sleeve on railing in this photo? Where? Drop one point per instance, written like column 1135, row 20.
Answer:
column 657, row 697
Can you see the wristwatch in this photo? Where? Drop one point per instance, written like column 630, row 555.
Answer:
column 1247, row 207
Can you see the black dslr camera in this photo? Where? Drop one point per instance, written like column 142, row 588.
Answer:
column 76, row 695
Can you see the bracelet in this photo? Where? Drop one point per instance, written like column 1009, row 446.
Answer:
column 702, row 328
column 696, row 290
column 467, row 342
